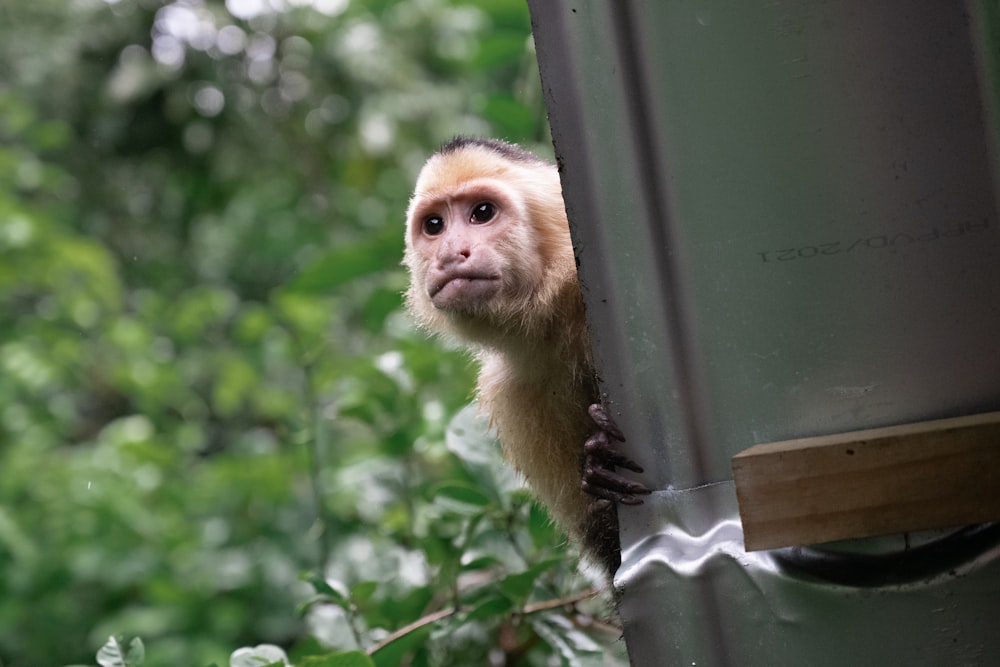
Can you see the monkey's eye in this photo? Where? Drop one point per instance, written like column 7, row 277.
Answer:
column 433, row 225
column 483, row 212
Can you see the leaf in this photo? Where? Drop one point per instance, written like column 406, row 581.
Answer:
column 519, row 586
column 324, row 587
column 120, row 651
column 363, row 591
column 400, row 611
column 481, row 563
column 379, row 305
column 263, row 655
column 574, row 647
column 350, row 262
column 392, row 654
column 493, row 607
column 462, row 498
column 470, row 439
column 541, row 527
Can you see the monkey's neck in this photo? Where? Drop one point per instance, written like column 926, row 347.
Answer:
column 556, row 347
column 536, row 360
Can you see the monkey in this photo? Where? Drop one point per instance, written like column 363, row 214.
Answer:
column 492, row 266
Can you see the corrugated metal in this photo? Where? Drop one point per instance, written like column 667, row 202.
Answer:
column 786, row 217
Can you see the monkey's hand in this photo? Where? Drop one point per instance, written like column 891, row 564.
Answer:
column 601, row 457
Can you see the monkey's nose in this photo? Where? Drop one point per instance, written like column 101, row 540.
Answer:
column 452, row 256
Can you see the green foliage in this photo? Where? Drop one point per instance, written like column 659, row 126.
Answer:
column 207, row 385
column 121, row 652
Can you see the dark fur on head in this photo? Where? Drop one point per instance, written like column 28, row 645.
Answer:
column 509, row 151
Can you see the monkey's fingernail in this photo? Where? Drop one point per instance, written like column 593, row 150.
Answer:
column 631, row 465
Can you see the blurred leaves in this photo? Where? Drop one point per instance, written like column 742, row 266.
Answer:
column 207, row 385
column 121, row 652
column 345, row 264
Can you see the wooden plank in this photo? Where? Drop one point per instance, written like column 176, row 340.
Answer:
column 934, row 474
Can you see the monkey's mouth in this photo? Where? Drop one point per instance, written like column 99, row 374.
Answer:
column 462, row 290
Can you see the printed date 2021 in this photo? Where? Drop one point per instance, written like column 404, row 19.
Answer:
column 876, row 242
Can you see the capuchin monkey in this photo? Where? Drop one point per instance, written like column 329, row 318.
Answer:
column 492, row 266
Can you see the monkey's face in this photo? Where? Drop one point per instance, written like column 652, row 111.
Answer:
column 469, row 246
column 466, row 248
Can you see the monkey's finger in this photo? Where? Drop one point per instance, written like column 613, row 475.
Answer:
column 607, row 494
column 599, row 448
column 598, row 443
column 603, row 494
column 627, row 463
column 596, row 476
column 604, row 421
